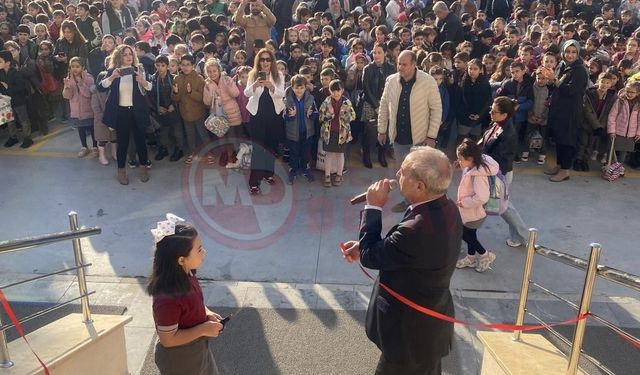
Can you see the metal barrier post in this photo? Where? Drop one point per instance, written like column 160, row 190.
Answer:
column 5, row 360
column 526, row 274
column 587, row 291
column 82, row 281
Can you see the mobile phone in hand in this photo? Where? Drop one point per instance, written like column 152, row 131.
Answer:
column 262, row 76
column 126, row 71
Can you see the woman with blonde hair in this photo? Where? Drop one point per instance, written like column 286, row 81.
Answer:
column 126, row 109
column 265, row 90
column 220, row 95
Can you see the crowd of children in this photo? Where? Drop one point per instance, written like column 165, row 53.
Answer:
column 198, row 56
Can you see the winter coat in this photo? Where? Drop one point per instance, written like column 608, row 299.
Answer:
column 566, row 108
column 70, row 50
column 501, row 143
column 98, row 103
column 255, row 27
column 347, row 114
column 473, row 191
column 191, row 106
column 424, row 105
column 373, row 79
column 18, row 88
column 291, row 126
column 254, row 96
column 79, row 96
column 595, row 120
column 96, row 61
column 226, row 94
column 623, row 121
column 523, row 93
column 140, row 104
column 115, row 22
column 242, row 103
column 449, row 30
column 539, row 107
column 472, row 98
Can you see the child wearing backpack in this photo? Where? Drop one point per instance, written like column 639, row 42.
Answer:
column 623, row 126
column 473, row 194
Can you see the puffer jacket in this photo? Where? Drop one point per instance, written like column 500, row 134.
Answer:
column 473, row 191
column 623, row 121
column 79, row 96
column 227, row 93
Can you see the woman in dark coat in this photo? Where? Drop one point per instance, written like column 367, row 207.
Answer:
column 373, row 80
column 566, row 110
column 472, row 101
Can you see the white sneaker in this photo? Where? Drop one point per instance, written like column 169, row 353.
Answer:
column 604, row 159
column 594, row 155
column 485, row 261
column 525, row 156
column 83, row 152
column 468, row 261
column 542, row 159
column 514, row 243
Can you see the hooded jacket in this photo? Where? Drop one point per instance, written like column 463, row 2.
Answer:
column 623, row 120
column 79, row 96
column 473, row 191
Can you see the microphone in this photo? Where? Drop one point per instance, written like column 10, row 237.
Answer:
column 360, row 198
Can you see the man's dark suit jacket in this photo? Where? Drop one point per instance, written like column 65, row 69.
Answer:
column 416, row 259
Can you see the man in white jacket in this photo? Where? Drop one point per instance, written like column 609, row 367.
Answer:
column 410, row 109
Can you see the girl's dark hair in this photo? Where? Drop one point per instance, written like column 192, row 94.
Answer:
column 167, row 275
column 506, row 105
column 469, row 149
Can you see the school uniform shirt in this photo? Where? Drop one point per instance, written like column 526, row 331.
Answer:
column 182, row 312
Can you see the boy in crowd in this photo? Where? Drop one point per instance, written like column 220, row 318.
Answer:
column 28, row 48
column 519, row 87
column 146, row 58
column 537, row 117
column 88, row 26
column 15, row 86
column 299, row 119
column 165, row 112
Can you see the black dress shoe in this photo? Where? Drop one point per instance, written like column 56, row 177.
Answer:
column 382, row 158
column 10, row 142
column 162, row 153
column 577, row 165
column 366, row 160
column 26, row 143
column 585, row 166
column 177, row 155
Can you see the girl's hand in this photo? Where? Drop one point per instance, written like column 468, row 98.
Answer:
column 456, row 164
column 292, row 112
column 140, row 79
column 268, row 84
column 214, row 317
column 310, row 112
column 66, row 81
column 171, row 108
column 211, row 329
column 612, row 135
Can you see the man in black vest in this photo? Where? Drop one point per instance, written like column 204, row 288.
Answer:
column 416, row 259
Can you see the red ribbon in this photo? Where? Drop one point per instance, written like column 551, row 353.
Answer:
column 15, row 321
column 498, row 326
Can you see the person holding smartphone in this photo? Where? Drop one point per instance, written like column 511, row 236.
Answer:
column 265, row 90
column 126, row 109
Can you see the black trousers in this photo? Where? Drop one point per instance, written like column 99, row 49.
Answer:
column 387, row 368
column 265, row 135
column 470, row 236
column 565, row 155
column 126, row 126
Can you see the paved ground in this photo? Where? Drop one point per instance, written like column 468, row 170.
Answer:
column 280, row 251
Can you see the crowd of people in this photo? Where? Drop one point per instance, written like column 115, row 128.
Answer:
column 309, row 79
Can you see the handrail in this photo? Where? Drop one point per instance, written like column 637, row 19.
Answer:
column 626, row 279
column 593, row 270
column 45, row 239
column 75, row 234
column 43, row 276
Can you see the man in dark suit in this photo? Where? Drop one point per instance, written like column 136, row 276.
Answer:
column 416, row 259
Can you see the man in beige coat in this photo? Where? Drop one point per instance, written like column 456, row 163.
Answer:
column 410, row 109
column 257, row 24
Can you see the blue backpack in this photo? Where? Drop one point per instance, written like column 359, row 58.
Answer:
column 498, row 195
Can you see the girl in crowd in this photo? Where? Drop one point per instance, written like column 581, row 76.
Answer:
column 473, row 193
column 183, row 322
column 221, row 92
column 472, row 100
column 77, row 90
column 126, row 109
column 623, row 126
column 265, row 90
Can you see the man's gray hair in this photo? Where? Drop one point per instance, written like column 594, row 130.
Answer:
column 432, row 167
column 440, row 6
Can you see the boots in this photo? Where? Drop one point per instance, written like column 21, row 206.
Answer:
column 177, row 155
column 553, row 171
column 382, row 157
column 366, row 154
column 144, row 174
column 162, row 153
column 562, row 175
column 122, row 176
column 114, row 151
column 101, row 156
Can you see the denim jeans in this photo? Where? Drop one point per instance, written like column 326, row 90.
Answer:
column 518, row 230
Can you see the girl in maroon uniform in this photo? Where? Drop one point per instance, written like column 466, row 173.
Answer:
column 183, row 323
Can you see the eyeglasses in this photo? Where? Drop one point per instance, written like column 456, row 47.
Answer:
column 265, row 59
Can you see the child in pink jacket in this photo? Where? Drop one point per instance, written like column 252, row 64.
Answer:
column 77, row 89
column 623, row 126
column 473, row 194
